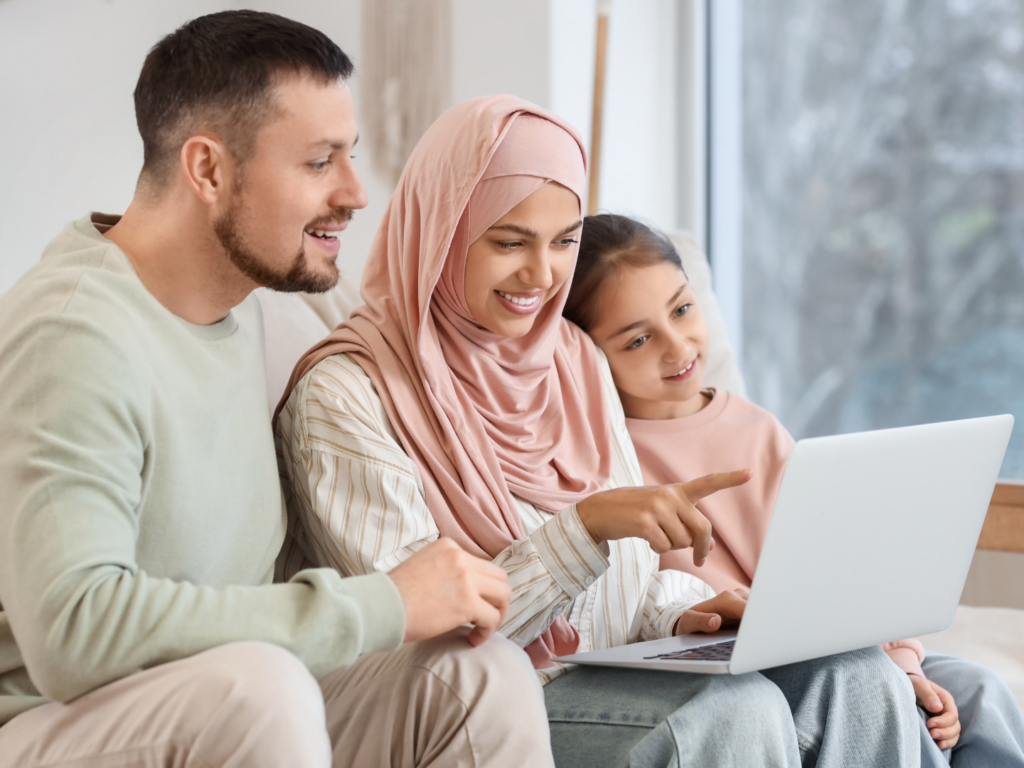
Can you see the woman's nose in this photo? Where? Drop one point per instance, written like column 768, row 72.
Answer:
column 536, row 272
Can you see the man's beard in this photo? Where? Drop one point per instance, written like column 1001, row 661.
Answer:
column 298, row 278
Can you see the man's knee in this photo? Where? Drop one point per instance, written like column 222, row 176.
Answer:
column 504, row 712
column 253, row 691
column 498, row 668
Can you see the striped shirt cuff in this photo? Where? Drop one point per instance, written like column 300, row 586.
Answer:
column 568, row 551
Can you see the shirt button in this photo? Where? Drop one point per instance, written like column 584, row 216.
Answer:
column 589, row 580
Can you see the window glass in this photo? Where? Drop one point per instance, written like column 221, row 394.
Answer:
column 883, row 219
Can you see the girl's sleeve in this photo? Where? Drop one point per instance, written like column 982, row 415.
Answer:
column 356, row 502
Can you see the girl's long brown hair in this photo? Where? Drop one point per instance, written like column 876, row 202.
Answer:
column 609, row 243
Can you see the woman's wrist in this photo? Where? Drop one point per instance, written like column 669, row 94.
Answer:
column 584, row 510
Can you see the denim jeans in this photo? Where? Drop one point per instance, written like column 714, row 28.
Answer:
column 991, row 724
column 853, row 709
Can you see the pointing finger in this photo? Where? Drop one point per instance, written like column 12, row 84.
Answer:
column 696, row 490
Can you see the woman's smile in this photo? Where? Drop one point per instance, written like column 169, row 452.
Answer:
column 521, row 302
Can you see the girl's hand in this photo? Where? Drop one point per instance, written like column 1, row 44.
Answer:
column 944, row 727
column 722, row 610
column 664, row 515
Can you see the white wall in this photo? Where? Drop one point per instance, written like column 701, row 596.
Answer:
column 68, row 142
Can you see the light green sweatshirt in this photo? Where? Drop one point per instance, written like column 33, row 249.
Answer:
column 140, row 505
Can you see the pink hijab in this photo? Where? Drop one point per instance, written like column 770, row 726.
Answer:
column 485, row 418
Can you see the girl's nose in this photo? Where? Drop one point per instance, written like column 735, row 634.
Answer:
column 677, row 347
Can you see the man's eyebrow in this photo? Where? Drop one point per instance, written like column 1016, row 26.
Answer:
column 527, row 232
column 335, row 145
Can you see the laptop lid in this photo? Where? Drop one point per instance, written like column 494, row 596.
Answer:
column 871, row 539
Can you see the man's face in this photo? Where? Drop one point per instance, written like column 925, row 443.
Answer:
column 296, row 193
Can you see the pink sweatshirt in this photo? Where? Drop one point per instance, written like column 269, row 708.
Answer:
column 729, row 433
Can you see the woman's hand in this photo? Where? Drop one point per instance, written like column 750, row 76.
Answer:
column 664, row 515
column 944, row 727
column 722, row 610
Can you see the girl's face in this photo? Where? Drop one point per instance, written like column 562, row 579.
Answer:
column 656, row 340
column 522, row 260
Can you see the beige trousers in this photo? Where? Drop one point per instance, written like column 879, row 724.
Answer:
column 435, row 703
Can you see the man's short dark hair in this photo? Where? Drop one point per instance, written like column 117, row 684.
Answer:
column 216, row 73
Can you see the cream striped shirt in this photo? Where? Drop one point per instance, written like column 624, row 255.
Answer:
column 356, row 503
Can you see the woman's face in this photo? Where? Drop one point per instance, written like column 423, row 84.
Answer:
column 522, row 260
column 656, row 340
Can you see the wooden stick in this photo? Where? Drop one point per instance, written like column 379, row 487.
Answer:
column 1004, row 524
column 600, row 58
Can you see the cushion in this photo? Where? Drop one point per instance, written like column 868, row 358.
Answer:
column 291, row 327
column 722, row 370
column 294, row 322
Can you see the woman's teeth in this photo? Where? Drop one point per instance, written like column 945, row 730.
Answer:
column 323, row 234
column 519, row 301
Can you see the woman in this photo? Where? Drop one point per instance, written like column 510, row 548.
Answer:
column 458, row 403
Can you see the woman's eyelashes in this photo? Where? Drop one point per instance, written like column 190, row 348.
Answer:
column 512, row 245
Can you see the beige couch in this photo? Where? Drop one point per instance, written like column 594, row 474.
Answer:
column 990, row 635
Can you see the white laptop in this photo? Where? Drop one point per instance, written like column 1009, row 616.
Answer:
column 870, row 541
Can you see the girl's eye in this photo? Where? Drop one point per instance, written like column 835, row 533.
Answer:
column 638, row 342
column 681, row 310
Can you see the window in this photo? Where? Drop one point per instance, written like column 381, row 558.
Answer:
column 880, row 276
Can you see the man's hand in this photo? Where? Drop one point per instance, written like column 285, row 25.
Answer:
column 722, row 610
column 944, row 726
column 664, row 515
column 443, row 587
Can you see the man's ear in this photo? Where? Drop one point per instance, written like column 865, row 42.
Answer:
column 207, row 167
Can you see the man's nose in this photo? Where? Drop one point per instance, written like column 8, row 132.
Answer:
column 349, row 192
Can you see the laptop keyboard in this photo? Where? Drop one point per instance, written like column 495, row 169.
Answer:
column 717, row 652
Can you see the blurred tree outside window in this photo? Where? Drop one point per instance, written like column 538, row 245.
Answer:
column 883, row 212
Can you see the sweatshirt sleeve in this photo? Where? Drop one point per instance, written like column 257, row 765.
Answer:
column 83, row 613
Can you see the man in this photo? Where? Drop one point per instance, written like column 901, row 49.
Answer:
column 140, row 510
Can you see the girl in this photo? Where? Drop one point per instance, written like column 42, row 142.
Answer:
column 630, row 294
column 457, row 402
